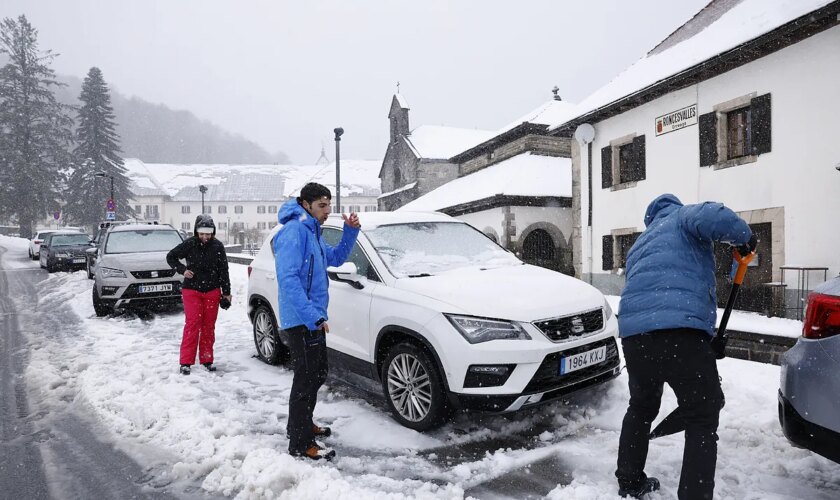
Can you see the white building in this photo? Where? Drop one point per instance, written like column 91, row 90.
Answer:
column 739, row 105
column 242, row 199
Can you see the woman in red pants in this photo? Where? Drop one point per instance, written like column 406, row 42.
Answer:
column 206, row 280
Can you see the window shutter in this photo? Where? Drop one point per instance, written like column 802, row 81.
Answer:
column 708, row 139
column 760, row 124
column 607, row 252
column 637, row 167
column 606, row 167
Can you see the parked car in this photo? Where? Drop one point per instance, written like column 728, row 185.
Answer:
column 99, row 234
column 130, row 267
column 436, row 316
column 38, row 238
column 63, row 250
column 809, row 394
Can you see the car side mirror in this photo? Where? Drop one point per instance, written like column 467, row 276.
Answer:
column 91, row 251
column 346, row 273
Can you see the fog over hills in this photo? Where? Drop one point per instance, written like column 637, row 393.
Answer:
column 155, row 133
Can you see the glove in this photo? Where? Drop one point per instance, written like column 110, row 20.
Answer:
column 719, row 346
column 749, row 247
column 224, row 303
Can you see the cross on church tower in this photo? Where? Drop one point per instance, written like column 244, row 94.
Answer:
column 398, row 87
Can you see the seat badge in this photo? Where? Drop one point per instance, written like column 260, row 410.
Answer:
column 154, row 274
column 577, row 325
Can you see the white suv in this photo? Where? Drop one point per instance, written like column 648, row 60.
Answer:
column 437, row 317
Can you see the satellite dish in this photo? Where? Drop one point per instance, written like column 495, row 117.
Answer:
column 585, row 133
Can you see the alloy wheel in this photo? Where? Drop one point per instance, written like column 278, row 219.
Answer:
column 264, row 334
column 409, row 387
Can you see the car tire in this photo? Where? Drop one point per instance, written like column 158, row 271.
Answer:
column 101, row 306
column 87, row 266
column 416, row 401
column 267, row 337
column 33, row 256
column 51, row 268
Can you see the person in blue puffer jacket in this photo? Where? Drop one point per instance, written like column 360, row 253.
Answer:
column 301, row 260
column 666, row 322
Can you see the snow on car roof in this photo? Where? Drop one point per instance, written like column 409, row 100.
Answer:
column 370, row 220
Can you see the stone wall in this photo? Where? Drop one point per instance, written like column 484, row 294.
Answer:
column 539, row 144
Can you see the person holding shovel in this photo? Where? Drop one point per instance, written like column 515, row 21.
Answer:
column 666, row 322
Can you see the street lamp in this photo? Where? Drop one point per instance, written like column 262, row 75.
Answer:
column 103, row 174
column 338, row 132
column 203, row 190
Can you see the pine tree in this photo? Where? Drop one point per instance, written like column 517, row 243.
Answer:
column 97, row 158
column 35, row 129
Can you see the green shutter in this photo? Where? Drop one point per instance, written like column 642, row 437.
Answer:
column 760, row 129
column 708, row 139
column 606, row 167
column 607, row 252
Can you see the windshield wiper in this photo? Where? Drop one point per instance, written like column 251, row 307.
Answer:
column 421, row 275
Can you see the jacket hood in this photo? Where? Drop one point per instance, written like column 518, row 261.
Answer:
column 662, row 205
column 291, row 210
column 203, row 220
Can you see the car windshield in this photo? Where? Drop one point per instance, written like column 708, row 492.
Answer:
column 142, row 241
column 41, row 236
column 428, row 248
column 66, row 240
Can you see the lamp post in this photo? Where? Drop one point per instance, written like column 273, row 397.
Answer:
column 338, row 132
column 203, row 190
column 113, row 203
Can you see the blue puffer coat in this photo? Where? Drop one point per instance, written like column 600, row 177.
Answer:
column 301, row 259
column 671, row 267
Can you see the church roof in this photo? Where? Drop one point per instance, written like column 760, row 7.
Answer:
column 441, row 143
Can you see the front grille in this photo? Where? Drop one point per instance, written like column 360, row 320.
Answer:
column 572, row 326
column 548, row 374
column 145, row 275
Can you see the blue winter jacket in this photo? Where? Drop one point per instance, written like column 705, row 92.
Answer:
column 671, row 267
column 301, row 258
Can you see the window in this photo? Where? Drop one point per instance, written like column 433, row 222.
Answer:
column 357, row 256
column 185, row 209
column 185, row 226
column 222, row 209
column 272, row 209
column 237, row 209
column 238, row 226
column 260, row 225
column 152, row 212
column 260, row 209
column 615, row 248
column 355, row 208
column 370, row 208
column 208, row 209
column 735, row 132
column 138, row 209
column 623, row 162
column 223, row 225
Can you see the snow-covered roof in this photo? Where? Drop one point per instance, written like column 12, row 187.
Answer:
column 523, row 175
column 742, row 22
column 548, row 113
column 401, row 100
column 399, row 190
column 438, row 142
column 248, row 182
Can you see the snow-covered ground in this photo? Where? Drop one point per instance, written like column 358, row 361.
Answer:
column 226, row 430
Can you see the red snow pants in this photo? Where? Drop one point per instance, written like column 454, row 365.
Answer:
column 201, row 310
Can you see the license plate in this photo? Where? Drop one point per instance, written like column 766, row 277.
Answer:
column 582, row 360
column 78, row 261
column 156, row 288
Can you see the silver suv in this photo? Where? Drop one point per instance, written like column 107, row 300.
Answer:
column 130, row 267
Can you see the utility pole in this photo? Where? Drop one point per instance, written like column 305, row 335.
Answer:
column 338, row 132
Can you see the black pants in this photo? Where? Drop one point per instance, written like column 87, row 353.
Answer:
column 309, row 361
column 683, row 359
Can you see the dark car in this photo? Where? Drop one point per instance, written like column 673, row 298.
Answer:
column 809, row 396
column 64, row 250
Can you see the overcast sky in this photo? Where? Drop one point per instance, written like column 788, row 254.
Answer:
column 285, row 73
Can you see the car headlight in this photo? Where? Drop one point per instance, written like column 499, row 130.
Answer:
column 62, row 255
column 108, row 272
column 608, row 312
column 477, row 330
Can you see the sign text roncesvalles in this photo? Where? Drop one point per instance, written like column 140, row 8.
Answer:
column 676, row 120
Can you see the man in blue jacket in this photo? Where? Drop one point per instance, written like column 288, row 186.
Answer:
column 666, row 322
column 301, row 261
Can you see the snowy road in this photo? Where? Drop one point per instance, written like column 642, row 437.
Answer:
column 224, row 432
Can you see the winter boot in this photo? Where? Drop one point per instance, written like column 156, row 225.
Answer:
column 649, row 485
column 315, row 452
column 210, row 367
column 321, row 431
column 185, row 369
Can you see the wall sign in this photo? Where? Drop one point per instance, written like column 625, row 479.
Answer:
column 676, row 120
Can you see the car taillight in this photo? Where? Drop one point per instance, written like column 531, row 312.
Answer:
column 822, row 316
column 38, row 242
column 249, row 271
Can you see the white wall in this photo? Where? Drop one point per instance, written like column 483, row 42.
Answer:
column 797, row 174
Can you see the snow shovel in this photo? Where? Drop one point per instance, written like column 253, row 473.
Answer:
column 675, row 421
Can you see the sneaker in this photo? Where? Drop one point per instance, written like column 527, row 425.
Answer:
column 315, row 452
column 185, row 369
column 649, row 485
column 210, row 367
column 321, row 431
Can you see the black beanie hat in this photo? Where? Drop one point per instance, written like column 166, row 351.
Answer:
column 204, row 220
